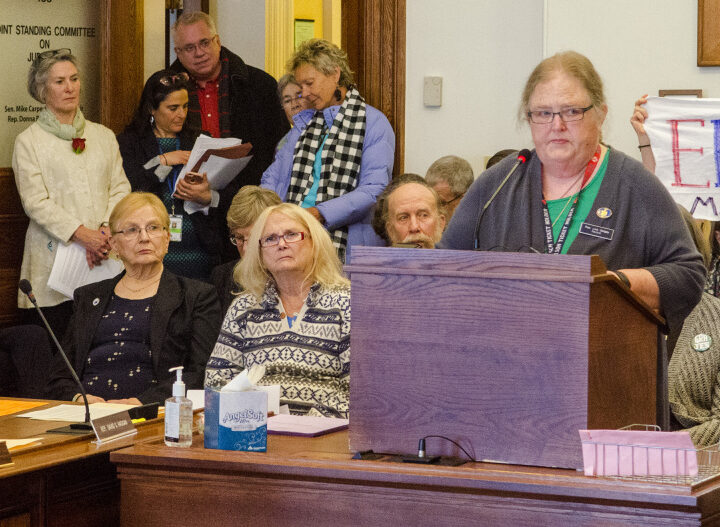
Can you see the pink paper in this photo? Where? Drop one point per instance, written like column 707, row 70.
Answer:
column 638, row 453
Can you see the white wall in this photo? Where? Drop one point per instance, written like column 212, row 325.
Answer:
column 241, row 26
column 637, row 47
column 485, row 50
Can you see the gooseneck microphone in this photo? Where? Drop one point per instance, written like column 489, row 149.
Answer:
column 26, row 288
column 523, row 156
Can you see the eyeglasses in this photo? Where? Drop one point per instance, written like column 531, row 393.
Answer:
column 203, row 45
column 133, row 233
column 288, row 100
column 53, row 52
column 238, row 241
column 567, row 115
column 274, row 239
column 446, row 203
column 170, row 80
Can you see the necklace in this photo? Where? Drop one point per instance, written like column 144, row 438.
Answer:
column 143, row 287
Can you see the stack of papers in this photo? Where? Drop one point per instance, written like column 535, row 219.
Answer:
column 75, row 413
column 302, row 425
column 70, row 269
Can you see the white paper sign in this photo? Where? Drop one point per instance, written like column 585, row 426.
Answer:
column 685, row 138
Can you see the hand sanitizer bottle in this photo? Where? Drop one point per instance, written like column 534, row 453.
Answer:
column 178, row 414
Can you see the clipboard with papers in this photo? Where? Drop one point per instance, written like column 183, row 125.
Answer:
column 221, row 158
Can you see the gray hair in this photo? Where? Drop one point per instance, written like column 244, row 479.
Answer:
column 188, row 19
column 324, row 56
column 455, row 170
column 283, row 82
column 40, row 70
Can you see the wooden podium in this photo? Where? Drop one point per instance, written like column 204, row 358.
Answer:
column 508, row 354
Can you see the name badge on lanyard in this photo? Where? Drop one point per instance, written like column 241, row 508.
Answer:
column 175, row 228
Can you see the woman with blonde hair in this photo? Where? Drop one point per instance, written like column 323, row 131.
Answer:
column 338, row 157
column 294, row 316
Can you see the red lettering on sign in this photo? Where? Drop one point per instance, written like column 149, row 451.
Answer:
column 676, row 151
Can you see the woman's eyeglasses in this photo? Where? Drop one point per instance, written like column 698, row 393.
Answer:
column 567, row 115
column 170, row 80
column 133, row 233
column 238, row 241
column 274, row 239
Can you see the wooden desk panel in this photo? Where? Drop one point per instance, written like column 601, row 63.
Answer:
column 315, row 482
column 65, row 480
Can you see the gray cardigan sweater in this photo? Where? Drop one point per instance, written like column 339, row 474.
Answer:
column 648, row 231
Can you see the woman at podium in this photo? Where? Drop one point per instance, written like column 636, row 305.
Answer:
column 69, row 175
column 293, row 317
column 577, row 195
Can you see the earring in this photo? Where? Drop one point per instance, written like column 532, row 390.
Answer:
column 152, row 120
column 338, row 95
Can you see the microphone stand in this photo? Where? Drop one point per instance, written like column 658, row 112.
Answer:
column 74, row 428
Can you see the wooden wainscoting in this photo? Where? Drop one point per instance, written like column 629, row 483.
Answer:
column 13, row 224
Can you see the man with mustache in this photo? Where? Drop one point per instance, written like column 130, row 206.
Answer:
column 409, row 213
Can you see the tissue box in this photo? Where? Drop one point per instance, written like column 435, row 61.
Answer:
column 236, row 420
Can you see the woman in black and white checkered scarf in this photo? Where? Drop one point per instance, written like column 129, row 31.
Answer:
column 355, row 143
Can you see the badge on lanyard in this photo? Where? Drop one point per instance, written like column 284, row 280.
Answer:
column 175, row 228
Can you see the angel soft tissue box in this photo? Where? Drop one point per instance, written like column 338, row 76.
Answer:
column 236, row 415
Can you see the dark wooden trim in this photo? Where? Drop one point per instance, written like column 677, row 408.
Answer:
column 373, row 35
column 121, row 61
column 13, row 223
column 670, row 93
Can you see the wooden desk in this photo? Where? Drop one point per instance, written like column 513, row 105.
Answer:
column 65, row 480
column 315, row 482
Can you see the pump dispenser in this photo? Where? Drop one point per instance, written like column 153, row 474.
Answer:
column 178, row 414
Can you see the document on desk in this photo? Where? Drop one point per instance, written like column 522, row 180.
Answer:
column 70, row 269
column 303, row 425
column 75, row 413
column 18, row 443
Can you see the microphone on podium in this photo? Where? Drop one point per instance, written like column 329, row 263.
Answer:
column 74, row 428
column 523, row 157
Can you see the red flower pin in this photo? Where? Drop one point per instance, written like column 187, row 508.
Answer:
column 78, row 145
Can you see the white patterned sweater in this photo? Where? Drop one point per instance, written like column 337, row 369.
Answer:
column 310, row 360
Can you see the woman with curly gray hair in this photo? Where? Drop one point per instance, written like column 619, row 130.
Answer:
column 339, row 156
column 69, row 175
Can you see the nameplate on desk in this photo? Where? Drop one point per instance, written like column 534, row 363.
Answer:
column 5, row 458
column 113, row 426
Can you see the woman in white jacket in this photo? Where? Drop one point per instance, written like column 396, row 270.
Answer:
column 69, row 175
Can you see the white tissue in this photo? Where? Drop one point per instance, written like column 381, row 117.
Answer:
column 245, row 380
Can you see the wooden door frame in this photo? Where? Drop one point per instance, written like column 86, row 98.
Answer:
column 373, row 35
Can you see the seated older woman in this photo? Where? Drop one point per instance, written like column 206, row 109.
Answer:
column 294, row 316
column 579, row 196
column 128, row 331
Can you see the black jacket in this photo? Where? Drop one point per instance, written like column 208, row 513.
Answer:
column 136, row 150
column 185, row 322
column 256, row 117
